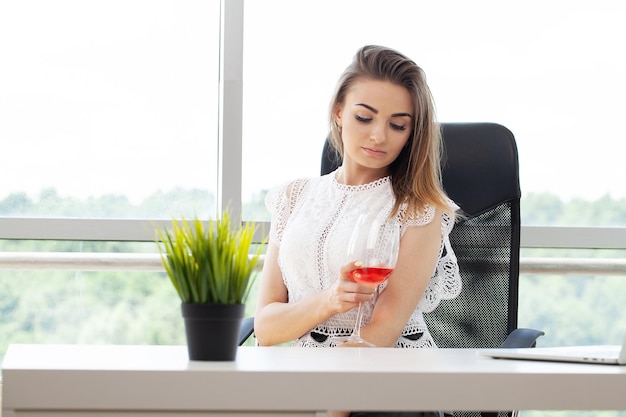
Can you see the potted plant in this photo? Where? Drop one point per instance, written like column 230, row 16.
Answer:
column 211, row 268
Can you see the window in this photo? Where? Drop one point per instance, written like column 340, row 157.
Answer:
column 549, row 71
column 108, row 108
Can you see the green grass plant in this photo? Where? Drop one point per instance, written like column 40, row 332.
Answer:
column 209, row 262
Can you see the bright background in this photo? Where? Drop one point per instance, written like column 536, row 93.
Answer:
column 121, row 96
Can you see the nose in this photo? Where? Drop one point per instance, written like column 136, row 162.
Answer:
column 378, row 135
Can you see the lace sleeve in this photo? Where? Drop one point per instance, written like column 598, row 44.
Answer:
column 280, row 202
column 445, row 283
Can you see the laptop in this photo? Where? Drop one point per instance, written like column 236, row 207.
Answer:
column 600, row 354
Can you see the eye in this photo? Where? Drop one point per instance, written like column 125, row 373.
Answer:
column 397, row 127
column 362, row 119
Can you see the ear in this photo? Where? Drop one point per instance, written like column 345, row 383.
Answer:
column 337, row 116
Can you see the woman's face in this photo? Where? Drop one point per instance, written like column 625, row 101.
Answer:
column 376, row 120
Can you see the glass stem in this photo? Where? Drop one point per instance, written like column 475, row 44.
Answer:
column 357, row 323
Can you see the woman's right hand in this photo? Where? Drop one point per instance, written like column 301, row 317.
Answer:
column 278, row 321
column 346, row 294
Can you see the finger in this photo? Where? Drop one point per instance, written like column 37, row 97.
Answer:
column 356, row 297
column 351, row 266
column 346, row 269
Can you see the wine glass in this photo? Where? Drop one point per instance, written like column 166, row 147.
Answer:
column 373, row 248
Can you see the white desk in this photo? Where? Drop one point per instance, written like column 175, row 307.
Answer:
column 74, row 380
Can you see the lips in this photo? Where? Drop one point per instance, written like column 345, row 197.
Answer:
column 374, row 152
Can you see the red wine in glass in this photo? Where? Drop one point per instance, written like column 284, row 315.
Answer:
column 373, row 248
column 370, row 275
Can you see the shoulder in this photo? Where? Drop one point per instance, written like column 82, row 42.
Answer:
column 287, row 194
column 288, row 189
column 416, row 217
column 427, row 213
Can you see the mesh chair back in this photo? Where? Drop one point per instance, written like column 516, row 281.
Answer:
column 481, row 174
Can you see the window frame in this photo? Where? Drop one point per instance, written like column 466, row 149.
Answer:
column 230, row 173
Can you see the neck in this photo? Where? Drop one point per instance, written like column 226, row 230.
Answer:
column 348, row 176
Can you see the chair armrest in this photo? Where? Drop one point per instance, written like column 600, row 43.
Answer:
column 522, row 338
column 246, row 329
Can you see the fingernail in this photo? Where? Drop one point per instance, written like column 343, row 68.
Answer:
column 358, row 263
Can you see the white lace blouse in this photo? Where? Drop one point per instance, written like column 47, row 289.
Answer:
column 312, row 220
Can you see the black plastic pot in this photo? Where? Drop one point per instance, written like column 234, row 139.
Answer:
column 212, row 330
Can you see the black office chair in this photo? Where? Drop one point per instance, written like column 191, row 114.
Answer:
column 246, row 329
column 481, row 174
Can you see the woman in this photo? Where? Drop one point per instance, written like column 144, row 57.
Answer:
column 382, row 122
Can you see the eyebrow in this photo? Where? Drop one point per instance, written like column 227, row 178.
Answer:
column 375, row 111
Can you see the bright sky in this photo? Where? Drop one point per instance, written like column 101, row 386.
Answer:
column 94, row 100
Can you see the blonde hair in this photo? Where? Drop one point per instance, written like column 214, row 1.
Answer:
column 416, row 172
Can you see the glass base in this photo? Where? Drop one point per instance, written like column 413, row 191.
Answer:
column 352, row 340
